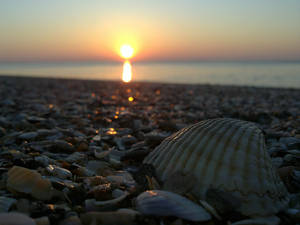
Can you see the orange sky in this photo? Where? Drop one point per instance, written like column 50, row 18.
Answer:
column 173, row 30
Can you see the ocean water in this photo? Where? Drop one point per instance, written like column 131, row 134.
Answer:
column 228, row 73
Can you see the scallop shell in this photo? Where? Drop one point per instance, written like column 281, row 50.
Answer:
column 164, row 203
column 28, row 181
column 224, row 154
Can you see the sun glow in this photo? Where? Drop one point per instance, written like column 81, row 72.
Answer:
column 126, row 51
column 127, row 74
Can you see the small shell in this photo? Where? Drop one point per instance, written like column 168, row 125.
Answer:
column 28, row 181
column 259, row 221
column 164, row 203
column 15, row 219
column 59, row 172
column 224, row 154
column 6, row 203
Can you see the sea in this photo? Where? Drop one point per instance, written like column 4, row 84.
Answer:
column 258, row 74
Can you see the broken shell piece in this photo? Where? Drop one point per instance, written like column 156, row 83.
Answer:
column 164, row 203
column 15, row 219
column 59, row 172
column 210, row 209
column 6, row 203
column 228, row 155
column 93, row 205
column 259, row 221
column 101, row 154
column 122, row 178
column 28, row 181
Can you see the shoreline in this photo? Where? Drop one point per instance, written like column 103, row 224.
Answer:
column 36, row 77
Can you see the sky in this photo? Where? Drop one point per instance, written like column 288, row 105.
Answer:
column 168, row 30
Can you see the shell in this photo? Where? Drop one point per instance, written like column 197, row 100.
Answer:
column 164, row 203
column 28, row 181
column 93, row 205
column 59, row 172
column 6, row 203
column 224, row 154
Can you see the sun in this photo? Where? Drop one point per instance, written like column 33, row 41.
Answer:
column 126, row 51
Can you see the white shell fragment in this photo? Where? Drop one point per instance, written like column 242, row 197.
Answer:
column 224, row 154
column 28, row 181
column 59, row 172
column 164, row 203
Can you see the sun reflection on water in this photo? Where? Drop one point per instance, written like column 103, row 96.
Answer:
column 127, row 73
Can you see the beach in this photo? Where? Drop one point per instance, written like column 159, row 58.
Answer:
column 104, row 129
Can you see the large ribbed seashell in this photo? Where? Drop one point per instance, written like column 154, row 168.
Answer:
column 224, row 154
column 28, row 181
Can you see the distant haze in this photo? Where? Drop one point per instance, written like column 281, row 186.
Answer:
column 168, row 30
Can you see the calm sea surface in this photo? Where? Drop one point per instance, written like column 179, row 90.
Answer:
column 253, row 74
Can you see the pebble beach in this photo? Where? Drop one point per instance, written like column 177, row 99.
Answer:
column 72, row 151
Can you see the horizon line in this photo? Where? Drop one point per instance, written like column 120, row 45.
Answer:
column 156, row 61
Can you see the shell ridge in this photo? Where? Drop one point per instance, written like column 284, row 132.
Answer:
column 168, row 155
column 197, row 154
column 203, row 144
column 167, row 149
column 177, row 155
column 190, row 153
column 226, row 160
column 205, row 173
column 247, row 181
column 222, row 151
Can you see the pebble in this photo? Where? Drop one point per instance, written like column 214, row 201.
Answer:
column 67, row 132
column 28, row 136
